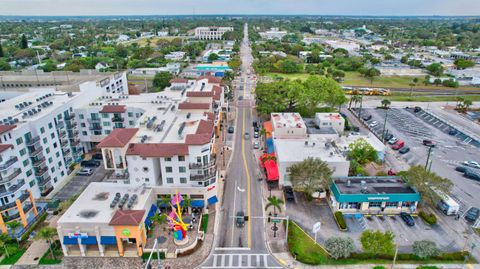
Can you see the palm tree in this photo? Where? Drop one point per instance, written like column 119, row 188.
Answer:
column 386, row 103
column 3, row 243
column 355, row 99
column 165, row 200
column 274, row 202
column 310, row 175
column 47, row 233
column 14, row 225
column 264, row 132
column 466, row 104
column 158, row 218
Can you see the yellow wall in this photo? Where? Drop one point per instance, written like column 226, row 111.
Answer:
column 137, row 232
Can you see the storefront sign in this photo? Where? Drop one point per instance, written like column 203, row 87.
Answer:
column 126, row 232
column 77, row 235
column 378, row 198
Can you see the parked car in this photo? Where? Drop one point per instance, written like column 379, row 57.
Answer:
column 398, row 145
column 392, row 140
column 240, row 219
column 373, row 124
column 428, row 143
column 91, row 163
column 240, row 98
column 85, row 172
column 472, row 175
column 388, row 137
column 461, row 169
column 367, row 117
column 404, row 150
column 247, row 136
column 256, row 145
column 256, row 135
column 472, row 214
column 452, row 131
column 255, row 124
column 97, row 156
column 289, row 196
column 355, row 128
column 473, row 164
column 231, row 129
column 407, row 219
column 417, row 109
column 256, row 129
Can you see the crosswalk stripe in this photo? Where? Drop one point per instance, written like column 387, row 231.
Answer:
column 253, row 260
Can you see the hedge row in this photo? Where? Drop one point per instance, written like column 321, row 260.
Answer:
column 340, row 220
column 429, row 219
column 30, row 230
column 452, row 256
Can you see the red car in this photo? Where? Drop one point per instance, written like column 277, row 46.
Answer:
column 398, row 145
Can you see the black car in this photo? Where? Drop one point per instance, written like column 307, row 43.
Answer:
column 461, row 169
column 97, row 156
column 428, row 143
column 240, row 219
column 289, row 196
column 472, row 175
column 417, row 109
column 355, row 128
column 231, row 130
column 255, row 124
column 472, row 214
column 388, row 137
column 452, row 131
column 404, row 150
column 407, row 219
column 256, row 129
column 91, row 163
column 367, row 117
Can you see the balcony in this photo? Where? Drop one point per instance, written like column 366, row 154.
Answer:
column 38, row 161
column 16, row 172
column 35, row 151
column 62, row 133
column 203, row 177
column 95, row 128
column 43, row 180
column 202, row 165
column 60, row 125
column 32, row 141
column 11, row 217
column 13, row 188
column 94, row 120
column 66, row 151
column 117, row 119
column 24, row 196
column 70, row 116
column 68, row 161
column 41, row 171
column 75, row 142
column 27, row 208
column 74, row 133
column 8, row 163
column 71, row 126
column 45, row 192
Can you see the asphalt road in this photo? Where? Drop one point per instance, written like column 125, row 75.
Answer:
column 242, row 247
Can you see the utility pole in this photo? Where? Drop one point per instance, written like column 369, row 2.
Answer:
column 384, row 126
column 361, row 104
column 428, row 157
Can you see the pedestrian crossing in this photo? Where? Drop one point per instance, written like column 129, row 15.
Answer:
column 243, row 260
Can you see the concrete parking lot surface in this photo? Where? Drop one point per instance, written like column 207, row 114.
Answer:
column 78, row 183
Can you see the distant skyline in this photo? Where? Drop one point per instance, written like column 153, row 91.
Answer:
column 247, row 7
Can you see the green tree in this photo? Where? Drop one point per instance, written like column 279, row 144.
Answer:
column 4, row 239
column 14, row 225
column 425, row 249
column 355, row 98
column 274, row 202
column 162, row 80
column 378, row 243
column 340, row 247
column 371, row 73
column 426, row 183
column 437, row 82
column 49, row 67
column 23, row 42
column 4, row 66
column 213, row 57
column 362, row 152
column 466, row 104
column 158, row 218
column 1, row 51
column 386, row 103
column 47, row 233
column 121, row 51
column 310, row 175
column 435, row 69
column 235, row 63
column 463, row 64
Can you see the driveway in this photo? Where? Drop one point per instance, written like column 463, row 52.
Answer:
column 78, row 183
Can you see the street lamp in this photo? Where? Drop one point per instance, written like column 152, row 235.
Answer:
column 384, row 125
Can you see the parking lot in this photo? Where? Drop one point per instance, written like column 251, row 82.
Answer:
column 78, row 183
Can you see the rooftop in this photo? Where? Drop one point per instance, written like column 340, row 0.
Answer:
column 372, row 185
column 297, row 150
column 287, row 120
column 94, row 203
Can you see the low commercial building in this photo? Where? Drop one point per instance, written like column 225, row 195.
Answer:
column 273, row 33
column 373, row 195
column 175, row 55
column 172, row 68
column 211, row 33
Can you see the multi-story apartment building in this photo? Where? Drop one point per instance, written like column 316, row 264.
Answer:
column 211, row 33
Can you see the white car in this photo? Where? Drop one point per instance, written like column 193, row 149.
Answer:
column 373, row 124
column 256, row 145
column 85, row 172
column 473, row 164
column 393, row 140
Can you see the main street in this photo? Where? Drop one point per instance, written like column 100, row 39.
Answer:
column 242, row 247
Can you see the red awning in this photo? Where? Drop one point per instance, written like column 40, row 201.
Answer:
column 272, row 170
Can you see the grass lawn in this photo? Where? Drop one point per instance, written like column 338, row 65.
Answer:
column 307, row 250
column 15, row 254
column 356, row 79
column 423, row 98
column 47, row 256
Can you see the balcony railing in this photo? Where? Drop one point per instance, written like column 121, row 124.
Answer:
column 27, row 208
column 41, row 171
column 33, row 141
column 66, row 151
column 11, row 217
column 202, row 165
column 8, row 163
column 117, row 119
column 75, row 133
column 203, row 176
column 5, row 179
column 24, row 196
column 95, row 127
column 38, row 161
column 60, row 125
column 43, row 180
column 94, row 120
column 72, row 125
column 70, row 116
column 35, row 151
column 15, row 187
column 46, row 191
column 75, row 142
column 62, row 133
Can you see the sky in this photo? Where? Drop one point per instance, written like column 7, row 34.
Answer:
column 189, row 7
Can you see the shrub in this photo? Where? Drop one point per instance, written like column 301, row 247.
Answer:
column 429, row 219
column 145, row 256
column 340, row 220
column 30, row 230
column 378, row 242
column 204, row 223
column 427, row 267
column 379, row 267
column 425, row 249
column 339, row 247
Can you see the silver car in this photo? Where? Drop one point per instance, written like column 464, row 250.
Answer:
column 256, row 145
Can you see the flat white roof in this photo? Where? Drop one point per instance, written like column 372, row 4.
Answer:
column 93, row 205
column 287, row 120
column 295, row 150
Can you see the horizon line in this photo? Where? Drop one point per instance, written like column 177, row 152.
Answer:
column 239, row 14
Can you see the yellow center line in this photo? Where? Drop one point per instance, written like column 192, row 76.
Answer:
column 249, row 237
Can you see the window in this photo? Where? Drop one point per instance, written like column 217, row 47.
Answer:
column 131, row 122
column 81, row 116
column 391, row 204
column 23, row 152
column 55, row 179
column 52, row 169
column 145, row 169
column 25, row 163
column 42, row 130
column 83, row 124
column 52, row 135
column 168, row 159
column 57, row 154
column 182, row 169
column 19, row 141
column 147, row 179
column 106, row 123
column 55, row 145
column 181, row 158
column 50, row 160
column 31, row 183
column 50, row 125
column 104, row 115
column 170, row 180
column 29, row 173
column 47, row 150
column 183, row 180
column 168, row 169
column 62, row 173
column 44, row 140
column 84, row 133
column 130, row 114
column 107, row 132
column 351, row 205
column 374, row 204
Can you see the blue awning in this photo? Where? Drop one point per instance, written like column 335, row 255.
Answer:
column 212, row 200
column 108, row 240
column 197, row 203
column 70, row 241
column 91, row 240
column 151, row 213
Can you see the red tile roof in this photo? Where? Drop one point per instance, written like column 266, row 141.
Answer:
column 187, row 105
column 113, row 109
column 158, row 150
column 217, row 92
column 210, row 115
column 6, row 128
column 127, row 217
column 200, row 94
column 178, row 80
column 203, row 135
column 211, row 79
column 118, row 138
column 204, row 127
column 4, row 147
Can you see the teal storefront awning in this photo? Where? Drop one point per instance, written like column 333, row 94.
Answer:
column 70, row 241
column 212, row 200
column 90, row 240
column 197, row 203
column 108, row 240
column 373, row 197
